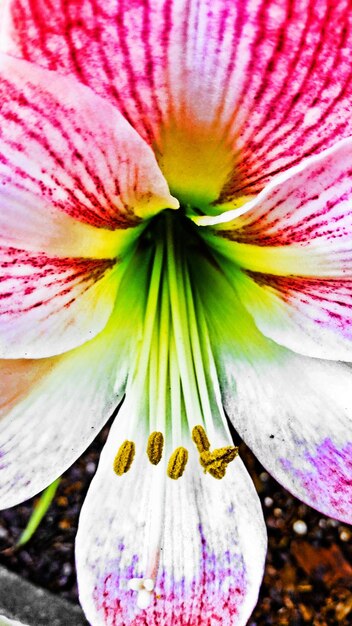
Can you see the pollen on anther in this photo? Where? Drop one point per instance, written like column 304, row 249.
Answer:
column 155, row 447
column 200, row 438
column 124, row 457
column 216, row 462
column 177, row 463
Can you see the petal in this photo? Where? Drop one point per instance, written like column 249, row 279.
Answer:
column 51, row 410
column 51, row 305
column 71, row 170
column 5, row 621
column 207, row 536
column 294, row 412
column 236, row 91
column 300, row 227
column 64, row 149
column 307, row 208
column 312, row 316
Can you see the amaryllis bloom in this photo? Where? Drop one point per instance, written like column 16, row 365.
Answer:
column 175, row 194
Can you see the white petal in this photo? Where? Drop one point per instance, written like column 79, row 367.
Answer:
column 200, row 540
column 51, row 409
column 295, row 413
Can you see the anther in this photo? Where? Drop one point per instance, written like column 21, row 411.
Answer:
column 177, row 463
column 216, row 462
column 155, row 447
column 124, row 458
column 200, row 438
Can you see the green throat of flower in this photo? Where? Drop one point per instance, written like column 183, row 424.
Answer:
column 173, row 379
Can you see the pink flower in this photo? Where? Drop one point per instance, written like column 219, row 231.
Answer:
column 175, row 230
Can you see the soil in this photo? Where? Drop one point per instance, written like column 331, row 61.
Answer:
column 308, row 577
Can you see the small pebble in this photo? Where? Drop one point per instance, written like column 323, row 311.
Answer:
column 3, row 533
column 345, row 534
column 67, row 569
column 277, row 512
column 300, row 527
column 264, row 477
column 268, row 501
column 90, row 467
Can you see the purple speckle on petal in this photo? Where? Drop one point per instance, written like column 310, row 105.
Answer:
column 329, row 482
column 213, row 597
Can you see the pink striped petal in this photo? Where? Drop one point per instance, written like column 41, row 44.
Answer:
column 308, row 208
column 64, row 149
column 312, row 316
column 71, row 171
column 204, row 540
column 51, row 409
column 294, row 244
column 242, row 89
column 51, row 304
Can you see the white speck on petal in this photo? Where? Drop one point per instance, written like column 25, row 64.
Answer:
column 144, row 599
column 144, row 587
column 135, row 584
column 148, row 584
column 311, row 116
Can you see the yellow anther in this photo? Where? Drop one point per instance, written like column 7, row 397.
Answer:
column 124, row 458
column 177, row 463
column 216, row 462
column 155, row 447
column 200, row 438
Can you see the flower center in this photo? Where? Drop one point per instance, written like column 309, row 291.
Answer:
column 173, row 379
column 173, row 399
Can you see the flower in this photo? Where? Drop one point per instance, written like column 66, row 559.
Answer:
column 176, row 230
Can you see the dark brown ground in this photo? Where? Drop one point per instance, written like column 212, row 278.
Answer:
column 308, row 578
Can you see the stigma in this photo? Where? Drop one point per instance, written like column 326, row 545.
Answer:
column 144, row 588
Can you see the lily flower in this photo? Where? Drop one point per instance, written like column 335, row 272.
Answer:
column 175, row 230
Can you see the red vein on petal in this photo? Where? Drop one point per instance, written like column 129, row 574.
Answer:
column 69, row 276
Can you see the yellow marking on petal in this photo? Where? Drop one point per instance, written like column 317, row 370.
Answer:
column 196, row 160
column 177, row 463
column 216, row 462
column 124, row 458
column 200, row 438
column 155, row 447
column 72, row 238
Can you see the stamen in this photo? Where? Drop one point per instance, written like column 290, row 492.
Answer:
column 200, row 438
column 124, row 457
column 177, row 463
column 216, row 462
column 155, row 447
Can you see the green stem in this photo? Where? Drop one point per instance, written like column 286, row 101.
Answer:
column 38, row 513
